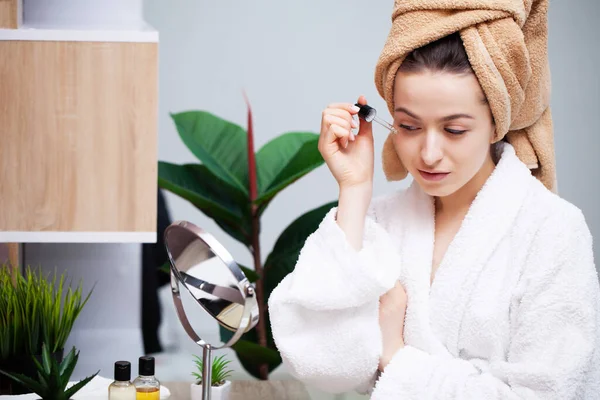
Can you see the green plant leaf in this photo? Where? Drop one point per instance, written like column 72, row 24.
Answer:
column 250, row 273
column 166, row 267
column 45, row 359
column 43, row 380
column 40, row 310
column 219, row 372
column 219, row 144
column 214, row 197
column 251, row 355
column 282, row 259
column 26, row 381
column 76, row 387
column 55, row 382
column 238, row 233
column 205, row 190
column 67, row 362
column 67, row 366
column 41, row 369
column 284, row 160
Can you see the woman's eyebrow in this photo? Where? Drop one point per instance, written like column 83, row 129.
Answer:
column 405, row 111
column 456, row 116
column 443, row 119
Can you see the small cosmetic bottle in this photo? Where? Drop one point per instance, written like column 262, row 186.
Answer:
column 147, row 387
column 122, row 388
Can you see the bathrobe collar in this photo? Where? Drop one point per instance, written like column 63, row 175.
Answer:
column 487, row 221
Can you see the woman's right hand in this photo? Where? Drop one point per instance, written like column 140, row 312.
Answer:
column 348, row 156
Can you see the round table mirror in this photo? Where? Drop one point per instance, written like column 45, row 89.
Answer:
column 204, row 271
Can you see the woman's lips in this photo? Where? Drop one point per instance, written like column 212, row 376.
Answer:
column 433, row 176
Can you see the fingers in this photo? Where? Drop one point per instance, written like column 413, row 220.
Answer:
column 346, row 123
column 344, row 111
column 337, row 124
column 342, row 114
column 337, row 133
column 395, row 296
column 349, row 107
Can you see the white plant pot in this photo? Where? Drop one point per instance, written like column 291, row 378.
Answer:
column 216, row 392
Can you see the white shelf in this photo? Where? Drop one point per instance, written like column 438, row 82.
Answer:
column 81, row 21
column 77, row 237
column 137, row 33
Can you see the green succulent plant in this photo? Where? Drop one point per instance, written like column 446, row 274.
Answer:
column 36, row 309
column 52, row 377
column 219, row 371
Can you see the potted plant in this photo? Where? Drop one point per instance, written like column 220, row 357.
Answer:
column 34, row 310
column 233, row 185
column 220, row 386
column 52, row 377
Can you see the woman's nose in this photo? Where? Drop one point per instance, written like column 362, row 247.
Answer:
column 431, row 152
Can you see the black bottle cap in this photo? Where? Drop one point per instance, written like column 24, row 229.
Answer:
column 122, row 371
column 146, row 366
column 366, row 112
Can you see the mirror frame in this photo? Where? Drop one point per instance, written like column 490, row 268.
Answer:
column 247, row 290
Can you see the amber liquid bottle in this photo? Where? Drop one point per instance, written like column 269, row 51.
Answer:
column 147, row 387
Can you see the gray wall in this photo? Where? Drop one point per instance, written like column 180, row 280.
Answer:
column 574, row 61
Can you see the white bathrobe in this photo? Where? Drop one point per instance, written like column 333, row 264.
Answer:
column 513, row 311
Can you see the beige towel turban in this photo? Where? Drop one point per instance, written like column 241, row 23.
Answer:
column 506, row 42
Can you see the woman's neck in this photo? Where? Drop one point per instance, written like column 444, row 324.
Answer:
column 458, row 203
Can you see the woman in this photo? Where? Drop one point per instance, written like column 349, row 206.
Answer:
column 476, row 282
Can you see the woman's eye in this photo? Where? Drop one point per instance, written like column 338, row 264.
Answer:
column 408, row 127
column 455, row 131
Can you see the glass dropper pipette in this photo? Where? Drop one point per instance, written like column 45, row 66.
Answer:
column 369, row 114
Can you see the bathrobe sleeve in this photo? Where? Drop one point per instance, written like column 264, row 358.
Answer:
column 324, row 315
column 552, row 350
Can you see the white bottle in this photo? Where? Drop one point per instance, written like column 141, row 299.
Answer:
column 122, row 388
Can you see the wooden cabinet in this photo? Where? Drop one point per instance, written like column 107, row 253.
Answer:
column 78, row 134
column 10, row 11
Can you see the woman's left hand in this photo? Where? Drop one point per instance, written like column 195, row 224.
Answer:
column 392, row 309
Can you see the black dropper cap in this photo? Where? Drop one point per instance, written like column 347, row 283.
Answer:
column 146, row 366
column 122, row 371
column 366, row 112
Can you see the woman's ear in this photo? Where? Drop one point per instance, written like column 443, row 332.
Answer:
column 494, row 137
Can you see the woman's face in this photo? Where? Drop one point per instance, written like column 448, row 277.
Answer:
column 444, row 127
